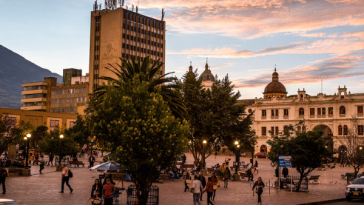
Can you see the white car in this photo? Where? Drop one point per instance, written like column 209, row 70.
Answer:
column 7, row 202
column 355, row 190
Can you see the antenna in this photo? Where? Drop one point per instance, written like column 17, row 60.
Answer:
column 162, row 14
column 132, row 7
column 122, row 4
column 321, row 85
column 275, row 68
column 136, row 9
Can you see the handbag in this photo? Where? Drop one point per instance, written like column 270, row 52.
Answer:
column 192, row 190
column 214, row 187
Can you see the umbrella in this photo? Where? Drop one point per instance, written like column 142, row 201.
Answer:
column 111, row 165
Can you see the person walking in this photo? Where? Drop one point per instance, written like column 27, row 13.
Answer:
column 51, row 156
column 97, row 187
column 218, row 175
column 108, row 190
column 41, row 164
column 214, row 181
column 91, row 160
column 3, row 175
column 196, row 186
column 222, row 168
column 260, row 185
column 209, row 189
column 65, row 178
column 186, row 176
column 256, row 167
column 285, row 172
column 226, row 177
column 36, row 157
column 203, row 182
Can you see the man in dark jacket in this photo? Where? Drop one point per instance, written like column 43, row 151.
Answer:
column 91, row 159
column 202, row 179
column 285, row 172
column 3, row 175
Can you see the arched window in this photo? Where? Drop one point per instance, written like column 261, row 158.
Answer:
column 342, row 110
column 340, row 130
column 304, row 129
column 345, row 130
column 299, row 129
column 250, row 111
column 301, row 111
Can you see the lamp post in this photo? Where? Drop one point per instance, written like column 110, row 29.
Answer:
column 236, row 176
column 60, row 150
column 27, row 156
column 203, row 155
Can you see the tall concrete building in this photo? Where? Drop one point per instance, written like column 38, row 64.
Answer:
column 118, row 32
column 69, row 73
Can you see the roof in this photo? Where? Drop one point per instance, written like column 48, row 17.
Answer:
column 275, row 86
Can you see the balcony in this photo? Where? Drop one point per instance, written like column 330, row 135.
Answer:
column 40, row 107
column 28, row 92
column 264, row 117
column 321, row 116
column 312, row 116
column 359, row 115
column 25, row 100
column 330, row 116
column 273, row 117
column 342, row 115
column 301, row 117
column 285, row 117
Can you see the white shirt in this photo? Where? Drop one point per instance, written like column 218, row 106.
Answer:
column 197, row 185
column 65, row 171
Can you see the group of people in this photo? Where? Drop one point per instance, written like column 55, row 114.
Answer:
column 102, row 191
column 344, row 162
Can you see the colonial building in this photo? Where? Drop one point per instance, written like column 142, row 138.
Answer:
column 333, row 114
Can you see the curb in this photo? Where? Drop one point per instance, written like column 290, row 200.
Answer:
column 324, row 202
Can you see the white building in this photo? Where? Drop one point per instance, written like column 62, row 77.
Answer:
column 333, row 114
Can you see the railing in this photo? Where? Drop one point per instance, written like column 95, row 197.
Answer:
column 273, row 117
column 285, row 117
column 264, row 117
column 312, row 116
column 301, row 116
column 330, row 115
column 342, row 115
column 359, row 115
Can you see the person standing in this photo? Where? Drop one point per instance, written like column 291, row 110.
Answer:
column 214, row 181
column 3, row 175
column 108, row 191
column 51, row 156
column 186, row 176
column 209, row 189
column 91, row 160
column 203, row 183
column 256, row 167
column 184, row 158
column 65, row 178
column 226, row 177
column 342, row 162
column 97, row 187
column 196, row 186
column 260, row 185
column 41, row 164
column 285, row 172
column 218, row 175
column 222, row 168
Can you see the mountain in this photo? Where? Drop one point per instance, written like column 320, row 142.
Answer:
column 15, row 70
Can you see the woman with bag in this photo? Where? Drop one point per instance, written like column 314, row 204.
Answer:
column 209, row 189
column 214, row 181
column 259, row 184
column 186, row 177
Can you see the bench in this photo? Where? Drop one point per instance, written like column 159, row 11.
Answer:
column 243, row 175
column 347, row 175
column 210, row 170
column 314, row 178
column 187, row 165
column 77, row 163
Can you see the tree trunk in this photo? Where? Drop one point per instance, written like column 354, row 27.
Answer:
column 299, row 183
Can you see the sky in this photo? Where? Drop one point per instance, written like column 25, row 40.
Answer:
column 308, row 41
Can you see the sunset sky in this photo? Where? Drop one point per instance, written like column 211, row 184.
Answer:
column 307, row 40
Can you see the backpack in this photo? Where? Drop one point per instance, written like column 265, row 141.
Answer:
column 3, row 174
column 70, row 174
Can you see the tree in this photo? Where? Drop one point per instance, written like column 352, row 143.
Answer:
column 307, row 150
column 354, row 147
column 52, row 143
column 80, row 131
column 145, row 134
column 38, row 135
column 214, row 116
column 147, row 72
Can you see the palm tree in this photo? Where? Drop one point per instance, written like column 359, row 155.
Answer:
column 148, row 72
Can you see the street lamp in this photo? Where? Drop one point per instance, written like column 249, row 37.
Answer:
column 60, row 150
column 27, row 156
column 237, row 160
column 203, row 155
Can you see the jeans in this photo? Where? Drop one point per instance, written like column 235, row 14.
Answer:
column 226, row 182
column 196, row 198
column 209, row 195
column 2, row 181
column 186, row 187
column 65, row 180
column 259, row 198
column 41, row 168
column 213, row 195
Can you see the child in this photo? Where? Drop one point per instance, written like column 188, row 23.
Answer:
column 96, row 200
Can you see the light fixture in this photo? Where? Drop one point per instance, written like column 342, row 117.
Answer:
column 204, row 141
column 360, row 148
column 29, row 135
column 238, row 146
column 25, row 138
column 236, row 142
column 61, row 136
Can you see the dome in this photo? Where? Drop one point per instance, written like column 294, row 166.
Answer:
column 275, row 88
column 207, row 75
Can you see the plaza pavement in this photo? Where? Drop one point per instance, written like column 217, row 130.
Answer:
column 44, row 188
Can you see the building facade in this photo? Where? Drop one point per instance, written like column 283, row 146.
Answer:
column 121, row 33
column 336, row 115
column 69, row 73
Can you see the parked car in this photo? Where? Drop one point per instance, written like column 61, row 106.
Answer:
column 8, row 202
column 261, row 155
column 355, row 190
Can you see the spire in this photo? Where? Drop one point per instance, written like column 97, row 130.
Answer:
column 190, row 68
column 207, row 64
column 275, row 74
column 275, row 68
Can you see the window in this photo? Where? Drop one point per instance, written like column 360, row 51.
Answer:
column 318, row 111
column 264, row 113
column 277, row 130
column 340, row 130
column 342, row 110
column 299, row 129
column 323, row 111
column 301, row 111
column 360, row 129
column 272, row 130
column 277, row 112
column 285, row 112
column 72, row 123
column 304, row 129
column 345, row 130
column 249, row 111
column 360, row 109
column 53, row 124
column 312, row 111
column 331, row 110
column 10, row 122
column 264, row 131
column 272, row 112
column 285, row 128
